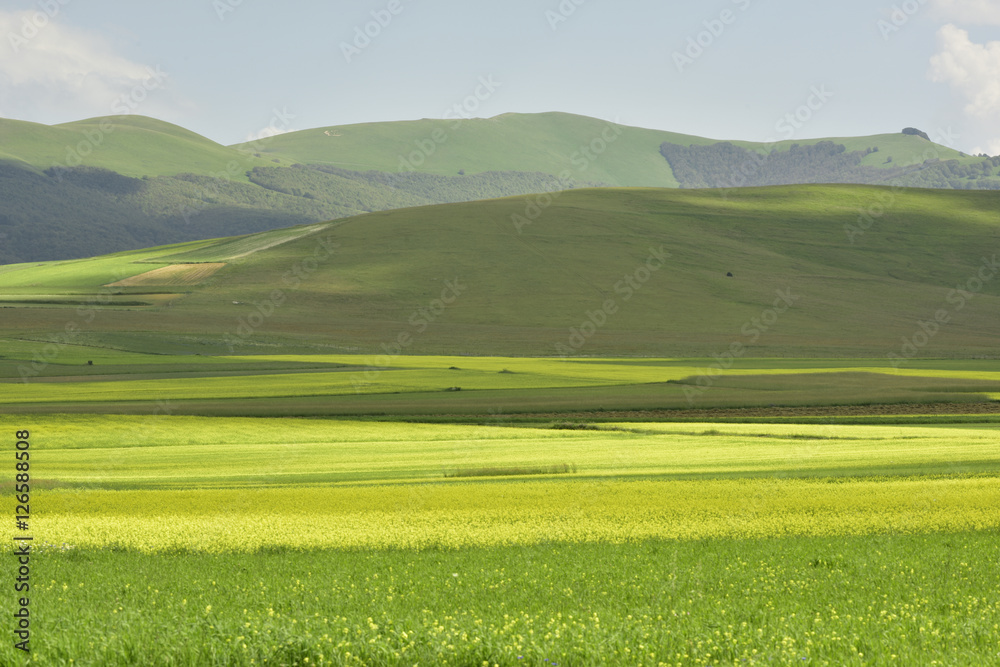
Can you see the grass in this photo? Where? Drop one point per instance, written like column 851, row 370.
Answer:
column 906, row 599
column 527, row 292
column 134, row 146
column 507, row 511
column 512, row 471
column 52, row 377
column 276, row 540
column 137, row 452
column 546, row 142
column 244, row 536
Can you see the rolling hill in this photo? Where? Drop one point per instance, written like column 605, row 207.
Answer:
column 119, row 183
column 552, row 143
column 816, row 270
column 131, row 145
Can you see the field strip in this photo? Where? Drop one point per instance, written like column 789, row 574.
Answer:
column 174, row 274
column 463, row 515
column 633, row 370
column 279, row 241
column 185, row 452
column 322, row 383
column 236, row 248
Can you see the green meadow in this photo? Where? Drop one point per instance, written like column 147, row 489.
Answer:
column 445, row 436
column 325, row 541
column 620, row 272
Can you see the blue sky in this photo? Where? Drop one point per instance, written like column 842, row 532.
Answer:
column 726, row 69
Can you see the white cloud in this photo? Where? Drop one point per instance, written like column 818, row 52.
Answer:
column 51, row 69
column 970, row 12
column 970, row 68
column 991, row 148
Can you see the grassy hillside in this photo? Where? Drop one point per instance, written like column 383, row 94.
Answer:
column 462, row 278
column 130, row 145
column 547, row 142
column 88, row 211
column 550, row 143
column 904, row 149
column 117, row 183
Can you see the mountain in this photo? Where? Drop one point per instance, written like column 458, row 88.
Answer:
column 561, row 143
column 834, row 270
column 118, row 183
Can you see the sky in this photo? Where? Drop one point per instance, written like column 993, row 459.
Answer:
column 757, row 70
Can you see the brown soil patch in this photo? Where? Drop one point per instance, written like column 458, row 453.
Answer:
column 175, row 274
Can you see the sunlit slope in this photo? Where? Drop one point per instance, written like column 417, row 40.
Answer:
column 589, row 149
column 621, row 271
column 130, row 145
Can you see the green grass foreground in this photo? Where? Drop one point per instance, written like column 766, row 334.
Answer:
column 893, row 599
column 190, row 539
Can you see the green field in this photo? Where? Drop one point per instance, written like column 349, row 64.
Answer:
column 554, row 511
column 411, row 438
column 472, row 532
column 318, row 541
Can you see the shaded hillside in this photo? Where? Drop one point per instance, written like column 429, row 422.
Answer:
column 726, row 165
column 87, row 211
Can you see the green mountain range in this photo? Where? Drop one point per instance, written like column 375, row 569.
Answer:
column 119, row 183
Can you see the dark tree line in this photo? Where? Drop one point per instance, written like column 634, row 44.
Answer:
column 725, row 165
column 67, row 213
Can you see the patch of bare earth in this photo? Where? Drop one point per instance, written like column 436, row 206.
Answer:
column 175, row 274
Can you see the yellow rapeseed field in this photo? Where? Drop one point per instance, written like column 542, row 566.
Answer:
column 462, row 514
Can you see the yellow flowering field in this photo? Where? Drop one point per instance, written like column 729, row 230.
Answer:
column 467, row 514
